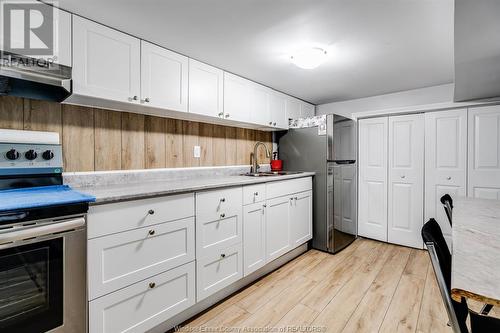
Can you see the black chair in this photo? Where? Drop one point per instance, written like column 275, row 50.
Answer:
column 481, row 323
column 447, row 202
column 441, row 263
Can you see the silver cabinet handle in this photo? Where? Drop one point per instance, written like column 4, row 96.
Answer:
column 271, row 123
column 223, row 200
column 256, row 193
column 227, row 115
column 223, row 255
column 152, row 285
column 151, row 211
column 220, row 114
column 151, row 232
column 274, row 124
column 222, row 215
column 448, row 178
column 135, row 98
column 146, row 99
column 403, row 176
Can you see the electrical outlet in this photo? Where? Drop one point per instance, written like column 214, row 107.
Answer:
column 197, row 152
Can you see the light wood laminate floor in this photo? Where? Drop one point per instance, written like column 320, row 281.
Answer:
column 368, row 287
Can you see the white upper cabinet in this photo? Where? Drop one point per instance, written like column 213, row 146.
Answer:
column 261, row 99
column 164, row 78
column 106, row 62
column 445, row 162
column 406, row 180
column 237, row 98
column 206, row 89
column 372, row 221
column 293, row 107
column 484, row 152
column 306, row 110
column 278, row 110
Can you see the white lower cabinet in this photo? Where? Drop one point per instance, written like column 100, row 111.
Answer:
column 278, row 226
column 145, row 304
column 301, row 218
column 218, row 270
column 254, row 240
column 119, row 260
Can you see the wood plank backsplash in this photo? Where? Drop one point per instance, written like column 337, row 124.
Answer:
column 95, row 139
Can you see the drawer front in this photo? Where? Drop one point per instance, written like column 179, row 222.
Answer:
column 218, row 271
column 254, row 193
column 217, row 204
column 213, row 236
column 127, row 215
column 122, row 259
column 144, row 304
column 286, row 187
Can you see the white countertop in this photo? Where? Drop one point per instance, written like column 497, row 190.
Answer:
column 129, row 191
column 476, row 249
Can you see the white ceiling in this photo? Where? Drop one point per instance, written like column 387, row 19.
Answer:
column 375, row 46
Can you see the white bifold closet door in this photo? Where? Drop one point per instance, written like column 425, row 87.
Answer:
column 445, row 162
column 406, row 180
column 484, row 152
column 372, row 204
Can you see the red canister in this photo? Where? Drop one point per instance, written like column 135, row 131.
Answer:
column 276, row 165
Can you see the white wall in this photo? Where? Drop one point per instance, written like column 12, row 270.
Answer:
column 384, row 103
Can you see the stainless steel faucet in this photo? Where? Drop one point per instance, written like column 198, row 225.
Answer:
column 255, row 165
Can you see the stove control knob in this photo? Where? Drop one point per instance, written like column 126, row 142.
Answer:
column 12, row 155
column 30, row 155
column 48, row 155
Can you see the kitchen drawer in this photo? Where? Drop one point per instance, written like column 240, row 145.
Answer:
column 254, row 193
column 213, row 236
column 117, row 217
column 286, row 187
column 119, row 260
column 145, row 304
column 217, row 271
column 217, row 204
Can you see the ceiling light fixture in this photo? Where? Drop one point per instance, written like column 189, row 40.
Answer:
column 309, row 58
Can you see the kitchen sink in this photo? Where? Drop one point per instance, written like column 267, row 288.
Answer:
column 271, row 173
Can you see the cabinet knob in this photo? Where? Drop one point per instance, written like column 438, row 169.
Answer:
column 221, row 114
column 223, row 200
column 135, row 98
column 222, row 215
column 274, row 124
column 151, row 232
column 264, row 205
column 256, row 193
column 146, row 100
column 271, row 123
column 448, row 178
column 227, row 115
column 403, row 176
column 151, row 212
column 223, row 255
column 152, row 285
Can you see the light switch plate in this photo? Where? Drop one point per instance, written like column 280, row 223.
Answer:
column 197, row 152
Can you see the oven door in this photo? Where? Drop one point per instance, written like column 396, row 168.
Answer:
column 42, row 282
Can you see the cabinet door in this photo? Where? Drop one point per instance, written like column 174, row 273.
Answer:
column 293, row 107
column 260, row 105
column 306, row 110
column 445, row 162
column 206, row 89
column 406, row 180
column 373, row 178
column 164, row 78
column 254, row 237
column 301, row 218
column 106, row 62
column 237, row 98
column 484, row 152
column 278, row 227
column 278, row 110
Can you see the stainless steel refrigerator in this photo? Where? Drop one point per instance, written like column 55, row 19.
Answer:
column 328, row 147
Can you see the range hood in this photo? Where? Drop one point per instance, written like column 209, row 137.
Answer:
column 477, row 50
column 33, row 78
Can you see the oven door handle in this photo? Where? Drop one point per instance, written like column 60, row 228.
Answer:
column 43, row 230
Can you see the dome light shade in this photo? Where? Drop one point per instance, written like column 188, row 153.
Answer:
column 309, row 58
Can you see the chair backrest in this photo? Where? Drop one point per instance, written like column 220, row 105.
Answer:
column 447, row 202
column 441, row 263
